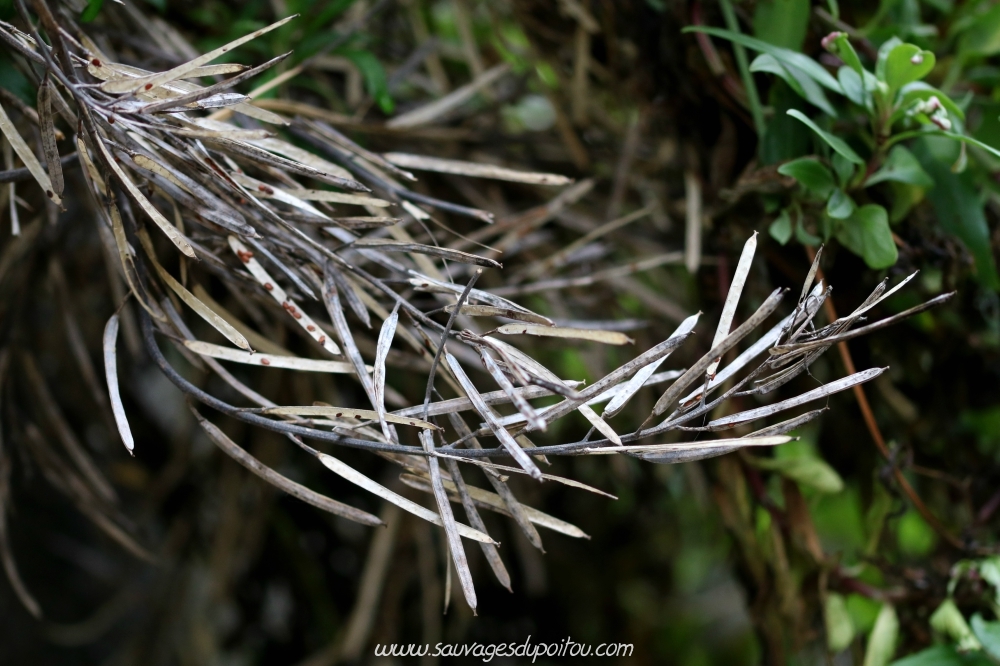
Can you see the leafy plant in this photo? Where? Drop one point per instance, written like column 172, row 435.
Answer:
column 865, row 177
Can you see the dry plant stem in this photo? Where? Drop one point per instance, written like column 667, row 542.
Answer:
column 876, row 433
column 444, row 338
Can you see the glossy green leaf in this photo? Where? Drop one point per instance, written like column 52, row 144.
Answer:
column 851, row 84
column 841, row 47
column 844, row 169
column 840, row 206
column 905, row 64
column 784, row 137
column 866, row 233
column 960, row 211
column 809, row 173
column 804, row 86
column 944, row 655
column 807, row 471
column 904, row 198
column 782, row 22
column 375, row 79
column 902, row 167
column 883, row 56
column 838, row 144
column 839, row 626
column 982, row 37
column 948, row 620
column 882, row 640
column 781, row 229
column 803, row 62
column 91, row 11
column 988, row 634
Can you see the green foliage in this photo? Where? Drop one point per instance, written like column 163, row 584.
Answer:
column 867, row 234
column 883, row 637
column 840, row 629
column 811, row 174
column 782, row 22
column 375, row 79
column 91, row 11
column 899, row 106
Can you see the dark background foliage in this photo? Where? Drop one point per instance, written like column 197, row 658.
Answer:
column 701, row 563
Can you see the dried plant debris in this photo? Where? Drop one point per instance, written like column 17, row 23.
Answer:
column 284, row 232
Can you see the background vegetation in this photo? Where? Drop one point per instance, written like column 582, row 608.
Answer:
column 872, row 539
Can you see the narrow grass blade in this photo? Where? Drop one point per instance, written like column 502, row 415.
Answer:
column 279, row 295
column 606, row 337
column 480, row 406
column 111, row 373
column 387, row 245
column 267, row 360
column 640, row 378
column 816, row 394
column 448, row 520
column 296, row 490
column 474, row 169
column 733, row 299
column 47, row 127
column 492, row 501
column 185, row 70
column 347, row 412
column 359, row 479
column 175, row 236
column 28, row 157
column 202, row 310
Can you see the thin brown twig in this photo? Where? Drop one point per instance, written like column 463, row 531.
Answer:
column 876, row 433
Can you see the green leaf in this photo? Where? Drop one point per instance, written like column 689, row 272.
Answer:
column 883, row 56
column 784, row 138
column 904, row 198
column 916, row 538
column 810, row 174
column 782, row 22
column 838, row 145
column 956, row 202
column 901, row 167
column 850, row 83
column 781, row 229
column 988, row 634
column 91, row 11
column 840, row 206
column 841, row 47
column 943, row 655
column 803, row 85
column 843, row 168
column 882, row 640
column 786, row 56
column 982, row 38
column 375, row 79
column 948, row 620
column 905, row 64
column 839, row 627
column 989, row 569
column 866, row 233
column 806, row 471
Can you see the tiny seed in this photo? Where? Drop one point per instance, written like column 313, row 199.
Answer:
column 310, row 328
column 149, row 86
column 268, row 286
column 95, row 62
column 322, row 339
column 264, row 361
